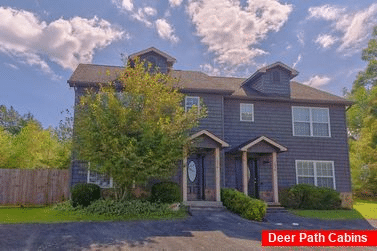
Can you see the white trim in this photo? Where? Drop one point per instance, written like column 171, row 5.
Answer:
column 196, row 97
column 315, row 170
column 311, row 121
column 88, row 179
column 271, row 142
column 252, row 113
column 218, row 140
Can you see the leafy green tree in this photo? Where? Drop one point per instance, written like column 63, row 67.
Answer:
column 138, row 133
column 362, row 123
column 5, row 147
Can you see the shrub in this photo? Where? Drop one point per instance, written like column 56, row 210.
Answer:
column 166, row 192
column 125, row 207
column 239, row 203
column 84, row 194
column 304, row 196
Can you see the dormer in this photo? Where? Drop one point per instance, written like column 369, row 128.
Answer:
column 157, row 58
column 272, row 80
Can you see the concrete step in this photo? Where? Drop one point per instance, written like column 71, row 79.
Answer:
column 276, row 209
column 204, row 205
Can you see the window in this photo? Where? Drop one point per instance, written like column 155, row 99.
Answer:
column 311, row 121
column 317, row 173
column 99, row 179
column 246, row 112
column 190, row 101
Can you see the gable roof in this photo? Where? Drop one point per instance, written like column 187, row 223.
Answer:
column 293, row 72
column 210, row 135
column 168, row 57
column 195, row 81
column 249, row 144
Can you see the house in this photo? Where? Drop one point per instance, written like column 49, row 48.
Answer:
column 262, row 133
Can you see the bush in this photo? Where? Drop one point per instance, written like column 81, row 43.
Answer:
column 125, row 207
column 166, row 192
column 239, row 203
column 84, row 194
column 304, row 196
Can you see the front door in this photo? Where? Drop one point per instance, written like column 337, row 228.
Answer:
column 195, row 178
column 253, row 185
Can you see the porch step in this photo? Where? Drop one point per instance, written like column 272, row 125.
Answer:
column 204, row 205
column 276, row 209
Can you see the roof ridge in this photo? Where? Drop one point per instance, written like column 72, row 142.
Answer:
column 114, row 66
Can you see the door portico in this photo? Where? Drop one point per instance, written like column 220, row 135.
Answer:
column 266, row 146
column 205, row 143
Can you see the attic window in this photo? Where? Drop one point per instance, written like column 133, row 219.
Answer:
column 276, row 77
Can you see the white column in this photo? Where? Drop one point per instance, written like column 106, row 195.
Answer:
column 184, row 176
column 217, row 173
column 275, row 177
column 244, row 172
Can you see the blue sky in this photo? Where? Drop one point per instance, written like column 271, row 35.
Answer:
column 42, row 42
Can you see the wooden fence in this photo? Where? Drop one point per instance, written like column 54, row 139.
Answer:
column 33, row 187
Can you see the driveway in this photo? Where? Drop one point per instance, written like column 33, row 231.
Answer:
column 204, row 230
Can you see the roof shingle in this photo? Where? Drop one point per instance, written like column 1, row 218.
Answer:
column 90, row 74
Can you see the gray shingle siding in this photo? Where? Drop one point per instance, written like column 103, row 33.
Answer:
column 266, row 83
column 274, row 120
column 213, row 121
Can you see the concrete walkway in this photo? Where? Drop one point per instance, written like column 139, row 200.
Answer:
column 205, row 230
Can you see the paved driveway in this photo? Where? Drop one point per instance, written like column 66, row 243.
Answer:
column 202, row 231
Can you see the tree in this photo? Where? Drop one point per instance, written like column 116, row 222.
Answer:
column 5, row 146
column 362, row 123
column 12, row 121
column 138, row 133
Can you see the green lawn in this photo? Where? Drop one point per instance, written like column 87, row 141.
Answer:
column 50, row 215
column 362, row 209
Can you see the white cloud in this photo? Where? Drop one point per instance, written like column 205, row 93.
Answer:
column 150, row 11
column 233, row 32
column 317, row 81
column 142, row 13
column 325, row 40
column 65, row 42
column 165, row 30
column 351, row 28
column 175, row 3
column 210, row 70
column 124, row 4
column 297, row 61
column 300, row 38
column 11, row 66
column 326, row 12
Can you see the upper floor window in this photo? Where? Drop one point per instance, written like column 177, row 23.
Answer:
column 191, row 101
column 317, row 173
column 246, row 112
column 311, row 121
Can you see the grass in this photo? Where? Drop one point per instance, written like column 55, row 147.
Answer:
column 50, row 215
column 362, row 209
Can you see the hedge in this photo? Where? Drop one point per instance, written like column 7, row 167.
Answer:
column 239, row 203
column 304, row 196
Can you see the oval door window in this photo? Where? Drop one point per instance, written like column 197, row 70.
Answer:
column 192, row 171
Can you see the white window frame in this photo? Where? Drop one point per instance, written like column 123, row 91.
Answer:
column 89, row 182
column 252, row 108
column 315, row 171
column 311, row 121
column 194, row 97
